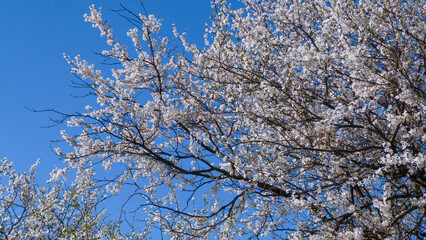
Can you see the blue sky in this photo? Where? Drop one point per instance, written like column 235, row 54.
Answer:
column 33, row 37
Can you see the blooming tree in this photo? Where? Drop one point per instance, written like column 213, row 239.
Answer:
column 301, row 119
column 28, row 211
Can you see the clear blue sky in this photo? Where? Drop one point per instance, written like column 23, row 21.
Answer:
column 34, row 74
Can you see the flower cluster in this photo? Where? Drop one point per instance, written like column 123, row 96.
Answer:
column 57, row 211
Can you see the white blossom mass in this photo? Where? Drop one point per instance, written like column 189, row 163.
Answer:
column 298, row 119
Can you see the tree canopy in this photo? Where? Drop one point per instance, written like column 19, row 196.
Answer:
column 296, row 119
